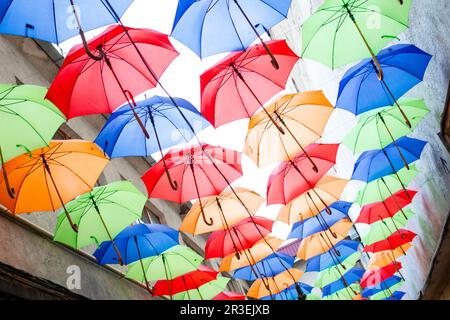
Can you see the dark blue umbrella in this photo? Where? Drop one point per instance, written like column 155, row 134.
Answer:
column 350, row 277
column 376, row 164
column 268, row 267
column 210, row 27
column 54, row 21
column 321, row 222
column 138, row 242
column 324, row 261
column 403, row 66
column 290, row 293
column 397, row 295
column 383, row 286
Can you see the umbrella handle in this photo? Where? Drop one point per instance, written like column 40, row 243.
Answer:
column 211, row 221
column 301, row 295
column 11, row 191
column 393, row 140
column 133, row 104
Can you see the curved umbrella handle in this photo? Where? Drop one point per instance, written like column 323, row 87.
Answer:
column 11, row 191
column 173, row 183
column 72, row 225
column 211, row 221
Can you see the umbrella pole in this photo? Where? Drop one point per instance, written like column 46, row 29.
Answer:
column 211, row 221
column 393, row 140
column 408, row 123
column 395, row 171
column 392, row 195
column 163, row 257
column 274, row 61
column 173, row 184
column 323, row 223
column 219, row 205
column 296, row 141
column 241, row 77
column 142, row 266
column 119, row 256
column 10, row 190
column 47, row 169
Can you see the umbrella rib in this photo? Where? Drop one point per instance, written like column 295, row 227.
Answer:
column 234, row 26
column 73, row 172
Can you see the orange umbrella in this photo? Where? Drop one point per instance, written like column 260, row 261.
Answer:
column 45, row 179
column 225, row 210
column 384, row 258
column 274, row 285
column 258, row 252
column 304, row 117
column 309, row 204
column 324, row 241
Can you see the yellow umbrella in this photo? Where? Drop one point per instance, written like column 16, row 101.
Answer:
column 274, row 285
column 309, row 204
column 304, row 117
column 383, row 258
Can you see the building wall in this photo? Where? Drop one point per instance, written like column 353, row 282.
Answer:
column 429, row 25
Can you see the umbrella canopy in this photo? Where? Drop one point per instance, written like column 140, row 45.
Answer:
column 352, row 292
column 385, row 288
column 294, row 177
column 392, row 242
column 137, row 242
column 275, row 284
column 381, row 189
column 268, row 267
column 321, row 222
column 384, row 258
column 241, row 83
column 324, row 241
column 309, row 204
column 351, row 276
column 189, row 281
column 86, row 86
column 210, row 27
column 336, row 271
column 346, row 248
column 374, row 277
column 206, row 292
column 291, row 293
column 169, row 265
column 376, row 164
column 226, row 209
column 380, row 127
column 240, row 236
column 397, row 295
column 100, row 215
column 123, row 137
column 304, row 115
column 403, row 66
column 224, row 296
column 253, row 255
column 53, row 21
column 46, row 179
column 339, row 32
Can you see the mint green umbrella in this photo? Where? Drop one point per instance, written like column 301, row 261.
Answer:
column 205, row 292
column 27, row 122
column 334, row 273
column 378, row 128
column 344, row 31
column 380, row 230
column 100, row 215
column 381, row 189
column 172, row 263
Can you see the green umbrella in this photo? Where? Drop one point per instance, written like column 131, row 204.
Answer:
column 347, row 293
column 381, row 189
column 334, row 273
column 380, row 230
column 100, row 215
column 380, row 127
column 205, row 292
column 27, row 122
column 344, row 31
column 173, row 263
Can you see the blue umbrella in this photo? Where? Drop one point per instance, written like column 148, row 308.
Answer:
column 54, row 21
column 376, row 164
column 290, row 293
column 324, row 261
column 321, row 222
column 383, row 286
column 351, row 276
column 210, row 27
column 397, row 295
column 138, row 242
column 268, row 267
column 403, row 66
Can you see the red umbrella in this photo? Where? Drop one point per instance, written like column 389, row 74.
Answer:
column 241, row 236
column 240, row 84
column 374, row 277
column 189, row 281
column 229, row 296
column 198, row 172
column 395, row 240
column 102, row 81
column 388, row 208
column 295, row 177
